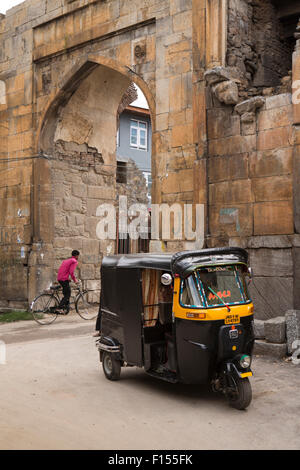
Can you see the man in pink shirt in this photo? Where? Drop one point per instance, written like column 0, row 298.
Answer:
column 66, row 270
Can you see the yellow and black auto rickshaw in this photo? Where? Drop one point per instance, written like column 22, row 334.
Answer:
column 184, row 317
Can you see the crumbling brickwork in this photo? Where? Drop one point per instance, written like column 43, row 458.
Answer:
column 129, row 96
column 274, row 51
column 258, row 47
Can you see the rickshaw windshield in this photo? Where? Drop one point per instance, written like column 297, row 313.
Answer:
column 215, row 286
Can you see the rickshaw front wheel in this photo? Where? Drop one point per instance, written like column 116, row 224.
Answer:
column 111, row 366
column 239, row 393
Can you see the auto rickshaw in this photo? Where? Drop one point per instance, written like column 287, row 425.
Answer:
column 185, row 317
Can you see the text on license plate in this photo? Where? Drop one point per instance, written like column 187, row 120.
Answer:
column 230, row 319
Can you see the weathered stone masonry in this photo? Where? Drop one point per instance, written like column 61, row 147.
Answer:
column 217, row 75
column 251, row 165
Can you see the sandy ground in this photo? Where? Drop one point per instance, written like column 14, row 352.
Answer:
column 54, row 395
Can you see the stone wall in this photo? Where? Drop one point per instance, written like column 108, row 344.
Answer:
column 241, row 50
column 49, row 53
column 250, row 177
column 79, row 186
column 252, row 161
column 65, row 68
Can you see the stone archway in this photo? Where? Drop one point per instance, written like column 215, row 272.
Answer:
column 77, row 137
column 48, row 54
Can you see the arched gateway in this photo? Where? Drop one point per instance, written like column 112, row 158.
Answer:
column 74, row 63
column 76, row 173
column 225, row 131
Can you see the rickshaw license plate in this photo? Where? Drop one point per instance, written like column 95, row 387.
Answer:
column 231, row 319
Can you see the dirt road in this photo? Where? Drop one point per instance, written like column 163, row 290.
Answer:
column 53, row 395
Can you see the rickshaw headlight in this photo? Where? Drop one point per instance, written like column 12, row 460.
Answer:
column 245, row 361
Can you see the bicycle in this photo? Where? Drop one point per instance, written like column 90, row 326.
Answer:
column 44, row 306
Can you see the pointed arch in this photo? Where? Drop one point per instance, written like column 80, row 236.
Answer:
column 70, row 83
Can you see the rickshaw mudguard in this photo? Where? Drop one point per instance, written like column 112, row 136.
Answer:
column 111, row 345
column 230, row 368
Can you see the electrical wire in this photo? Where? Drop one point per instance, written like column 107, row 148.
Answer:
column 11, row 160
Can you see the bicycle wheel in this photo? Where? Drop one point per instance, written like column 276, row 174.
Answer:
column 41, row 309
column 85, row 308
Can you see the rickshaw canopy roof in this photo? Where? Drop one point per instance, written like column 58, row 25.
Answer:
column 161, row 261
column 180, row 263
column 185, row 262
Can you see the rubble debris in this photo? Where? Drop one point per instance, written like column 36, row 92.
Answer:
column 227, row 92
column 250, row 106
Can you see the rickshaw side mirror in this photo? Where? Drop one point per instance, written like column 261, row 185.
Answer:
column 166, row 279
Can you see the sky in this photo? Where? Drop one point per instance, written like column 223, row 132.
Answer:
column 7, row 4
column 141, row 102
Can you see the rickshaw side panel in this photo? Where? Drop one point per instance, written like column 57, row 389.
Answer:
column 111, row 324
column 121, row 307
column 130, row 308
column 109, row 298
column 196, row 344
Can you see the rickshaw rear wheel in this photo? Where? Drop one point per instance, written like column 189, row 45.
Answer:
column 239, row 394
column 111, row 366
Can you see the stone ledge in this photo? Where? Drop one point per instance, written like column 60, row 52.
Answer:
column 275, row 330
column 269, row 241
column 250, row 106
column 263, row 348
column 23, row 308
